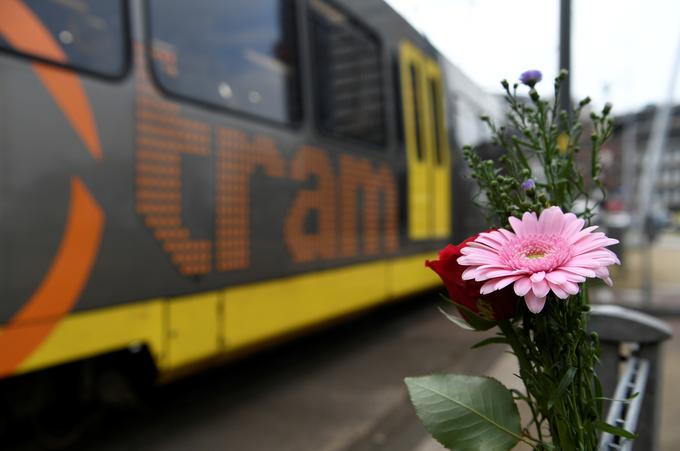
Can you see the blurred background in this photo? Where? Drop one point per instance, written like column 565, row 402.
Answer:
column 214, row 214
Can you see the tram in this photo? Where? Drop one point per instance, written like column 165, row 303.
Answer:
column 182, row 182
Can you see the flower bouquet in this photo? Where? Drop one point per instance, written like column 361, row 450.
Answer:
column 528, row 276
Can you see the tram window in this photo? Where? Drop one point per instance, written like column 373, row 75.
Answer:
column 435, row 100
column 84, row 34
column 228, row 53
column 348, row 76
column 415, row 92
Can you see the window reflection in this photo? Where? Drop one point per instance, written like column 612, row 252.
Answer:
column 348, row 75
column 234, row 54
column 89, row 32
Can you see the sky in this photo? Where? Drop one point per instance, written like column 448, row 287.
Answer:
column 622, row 50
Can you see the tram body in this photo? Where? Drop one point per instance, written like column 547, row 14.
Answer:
column 193, row 179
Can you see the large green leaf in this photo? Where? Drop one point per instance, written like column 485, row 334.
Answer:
column 466, row 413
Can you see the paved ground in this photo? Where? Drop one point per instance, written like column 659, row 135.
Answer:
column 670, row 405
column 661, row 262
column 341, row 389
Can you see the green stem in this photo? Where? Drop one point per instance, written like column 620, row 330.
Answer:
column 524, row 365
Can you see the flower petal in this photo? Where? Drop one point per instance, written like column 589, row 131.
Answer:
column 556, row 277
column 488, row 287
column 505, row 281
column 585, row 272
column 522, row 286
column 551, row 221
column 538, row 276
column 540, row 288
column 559, row 292
column 534, row 303
column 530, row 222
column 570, row 287
column 517, row 225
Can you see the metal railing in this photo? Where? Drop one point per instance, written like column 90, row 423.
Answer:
column 630, row 372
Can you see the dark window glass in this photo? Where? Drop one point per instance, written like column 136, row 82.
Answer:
column 240, row 55
column 435, row 100
column 86, row 34
column 415, row 92
column 348, row 76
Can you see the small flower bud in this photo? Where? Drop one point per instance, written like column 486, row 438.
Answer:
column 505, row 84
column 584, row 102
column 607, row 109
column 534, row 95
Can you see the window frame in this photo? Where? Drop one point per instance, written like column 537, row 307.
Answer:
column 126, row 30
column 214, row 107
column 316, row 94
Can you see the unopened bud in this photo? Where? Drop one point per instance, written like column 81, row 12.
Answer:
column 534, row 95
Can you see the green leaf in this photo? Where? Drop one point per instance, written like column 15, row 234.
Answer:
column 606, row 427
column 489, row 341
column 564, row 383
column 598, row 395
column 466, row 413
column 457, row 320
column 472, row 318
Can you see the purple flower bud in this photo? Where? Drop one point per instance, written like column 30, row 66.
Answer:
column 531, row 77
column 528, row 184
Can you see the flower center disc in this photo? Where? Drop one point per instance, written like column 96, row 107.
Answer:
column 536, row 252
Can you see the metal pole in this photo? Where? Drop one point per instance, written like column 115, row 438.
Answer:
column 655, row 147
column 629, row 161
column 565, row 53
column 650, row 172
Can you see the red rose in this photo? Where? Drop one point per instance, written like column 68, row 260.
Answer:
column 497, row 305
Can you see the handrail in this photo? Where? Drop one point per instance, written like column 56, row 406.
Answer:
column 636, row 338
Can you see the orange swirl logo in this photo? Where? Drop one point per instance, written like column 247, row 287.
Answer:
column 70, row 269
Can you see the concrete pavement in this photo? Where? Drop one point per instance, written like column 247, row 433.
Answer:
column 629, row 281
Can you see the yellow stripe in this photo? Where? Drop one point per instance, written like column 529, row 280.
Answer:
column 194, row 329
column 182, row 330
column 253, row 313
column 86, row 334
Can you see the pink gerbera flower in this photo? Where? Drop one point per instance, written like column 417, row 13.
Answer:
column 550, row 253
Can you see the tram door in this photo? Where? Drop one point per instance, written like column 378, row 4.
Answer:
column 427, row 149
